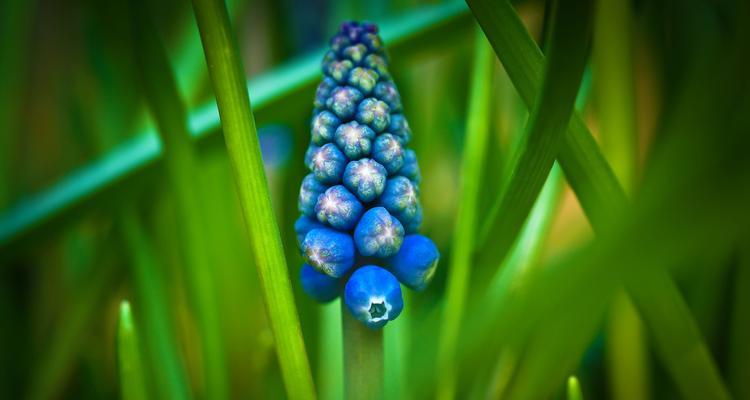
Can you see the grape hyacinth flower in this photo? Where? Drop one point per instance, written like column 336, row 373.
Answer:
column 359, row 205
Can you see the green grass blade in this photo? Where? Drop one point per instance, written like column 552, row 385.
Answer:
column 169, row 112
column 739, row 358
column 574, row 389
column 238, row 124
column 477, row 134
column 331, row 360
column 132, row 382
column 363, row 359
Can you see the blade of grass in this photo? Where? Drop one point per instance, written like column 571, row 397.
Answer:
column 331, row 359
column 363, row 359
column 574, row 389
column 132, row 382
column 589, row 174
column 238, row 125
column 477, row 133
column 169, row 112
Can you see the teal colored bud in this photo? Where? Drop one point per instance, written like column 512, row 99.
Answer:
column 309, row 191
column 365, row 178
column 355, row 53
column 378, row 234
column 363, row 79
column 323, row 127
column 387, row 92
column 329, row 251
column 309, row 154
column 305, row 224
column 321, row 287
column 354, row 140
column 339, row 208
column 374, row 113
column 415, row 263
column 323, row 92
column 373, row 296
column 400, row 198
column 388, row 151
column 328, row 164
column 372, row 41
column 410, row 169
column 414, row 224
column 377, row 64
column 344, row 101
column 340, row 70
column 338, row 43
column 399, row 127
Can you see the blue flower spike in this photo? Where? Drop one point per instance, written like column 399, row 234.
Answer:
column 415, row 263
column 378, row 234
column 321, row 287
column 373, row 296
column 329, row 251
column 339, row 208
column 360, row 211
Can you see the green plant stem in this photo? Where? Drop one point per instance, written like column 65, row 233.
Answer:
column 574, row 389
column 132, row 382
column 169, row 113
column 331, row 358
column 477, row 133
column 238, row 125
column 363, row 359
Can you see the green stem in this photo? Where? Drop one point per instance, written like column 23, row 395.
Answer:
column 132, row 383
column 477, row 134
column 240, row 135
column 574, row 389
column 363, row 359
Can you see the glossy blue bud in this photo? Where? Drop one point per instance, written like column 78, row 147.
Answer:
column 387, row 91
column 355, row 53
column 363, row 79
column 399, row 127
column 309, row 191
column 309, row 154
column 340, row 70
column 414, row 265
column 400, row 198
column 328, row 251
column 328, row 58
column 373, row 296
column 378, row 234
column 305, row 224
column 354, row 140
column 388, row 151
column 412, row 225
column 339, row 208
column 328, row 164
column 343, row 101
column 323, row 92
column 410, row 169
column 374, row 113
column 319, row 286
column 365, row 178
column 322, row 127
column 338, row 43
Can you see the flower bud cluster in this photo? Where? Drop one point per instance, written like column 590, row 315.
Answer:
column 360, row 207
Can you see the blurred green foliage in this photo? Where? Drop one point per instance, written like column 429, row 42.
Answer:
column 93, row 206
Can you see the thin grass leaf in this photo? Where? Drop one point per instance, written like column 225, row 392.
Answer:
column 331, row 359
column 574, row 389
column 170, row 115
column 229, row 83
column 132, row 382
column 477, row 134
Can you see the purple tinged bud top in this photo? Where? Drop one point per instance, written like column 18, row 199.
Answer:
column 328, row 164
column 365, row 178
column 378, row 234
column 309, row 191
column 374, row 113
column 339, row 208
column 388, row 151
column 343, row 101
column 329, row 251
column 354, row 140
column 323, row 127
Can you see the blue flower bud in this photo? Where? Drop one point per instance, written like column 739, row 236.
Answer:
column 387, row 91
column 363, row 79
column 410, row 169
column 377, row 64
column 305, row 224
column 323, row 127
column 415, row 263
column 354, row 140
column 343, row 101
column 309, row 154
column 339, row 70
column 329, row 251
column 355, row 53
column 412, row 225
column 399, row 127
column 378, row 233
column 400, row 198
column 323, row 92
column 374, row 113
column 338, row 208
column 338, row 43
column 373, row 296
column 365, row 178
column 309, row 191
column 388, row 151
column 372, row 41
column 320, row 287
column 328, row 58
column 328, row 164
